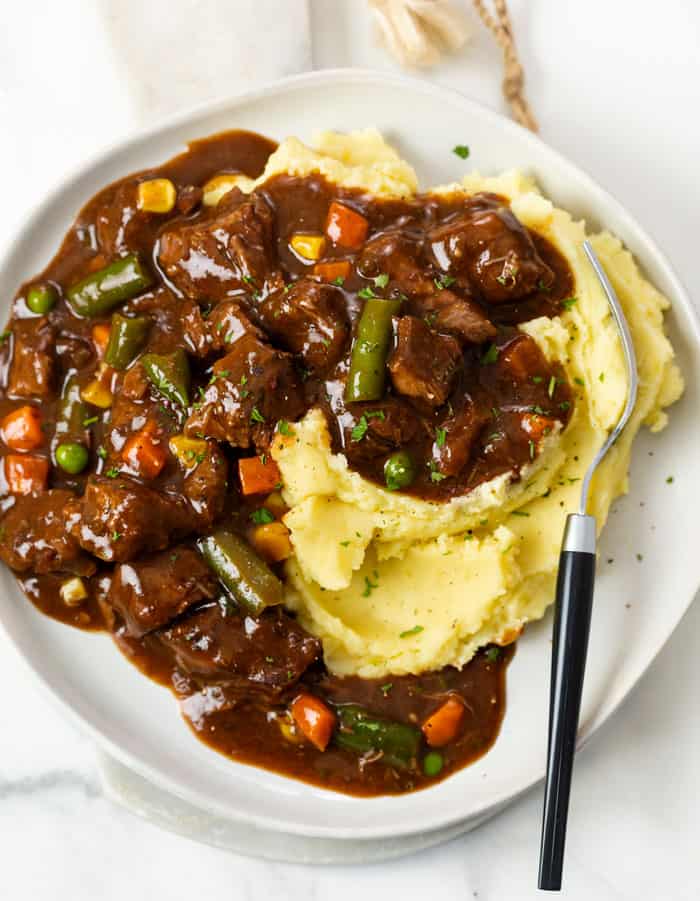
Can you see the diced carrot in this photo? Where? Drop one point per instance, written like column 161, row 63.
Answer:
column 345, row 227
column 315, row 719
column 145, row 453
column 100, row 337
column 443, row 726
column 25, row 474
column 537, row 426
column 332, row 270
column 258, row 475
column 271, row 541
column 21, row 429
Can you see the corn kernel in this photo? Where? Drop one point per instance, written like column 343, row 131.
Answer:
column 157, row 195
column 187, row 450
column 97, row 394
column 310, row 247
column 219, row 185
column 271, row 541
column 288, row 728
column 73, row 592
column 276, row 505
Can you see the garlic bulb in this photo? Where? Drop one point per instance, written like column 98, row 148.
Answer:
column 417, row 32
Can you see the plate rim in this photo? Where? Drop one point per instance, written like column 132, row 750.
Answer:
column 681, row 303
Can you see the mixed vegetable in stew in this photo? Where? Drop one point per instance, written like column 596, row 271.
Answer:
column 182, row 325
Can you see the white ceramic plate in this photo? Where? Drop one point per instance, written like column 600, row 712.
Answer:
column 637, row 604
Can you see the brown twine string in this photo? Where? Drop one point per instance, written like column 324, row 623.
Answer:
column 514, row 77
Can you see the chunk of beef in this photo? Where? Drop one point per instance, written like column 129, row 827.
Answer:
column 117, row 519
column 217, row 257
column 310, row 320
column 205, row 486
column 32, row 367
column 148, row 593
column 423, row 364
column 372, row 430
column 120, row 226
column 397, row 255
column 460, row 316
column 270, row 652
column 226, row 323
column 34, row 536
column 491, row 245
column 133, row 407
column 252, row 387
column 461, row 432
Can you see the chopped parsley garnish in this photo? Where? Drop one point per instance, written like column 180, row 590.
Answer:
column 669, row 480
column 102, row 452
column 89, row 421
column 338, row 281
column 444, row 281
column 116, row 536
column 519, row 513
column 382, row 280
column 531, row 445
column 601, row 377
column 579, row 380
column 492, row 654
column 4, row 336
column 359, row 430
column 284, row 428
column 461, row 150
column 385, row 689
column 440, row 437
column 262, row 516
column 112, row 472
column 435, row 474
column 640, row 557
column 568, row 302
column 366, row 293
column 538, row 411
column 564, row 405
column 537, row 379
column 416, row 630
column 552, row 386
column 344, row 543
column 490, row 355
column 256, row 415
column 369, row 586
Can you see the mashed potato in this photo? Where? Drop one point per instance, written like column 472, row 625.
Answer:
column 395, row 584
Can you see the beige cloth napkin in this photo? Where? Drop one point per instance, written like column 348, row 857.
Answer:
column 177, row 53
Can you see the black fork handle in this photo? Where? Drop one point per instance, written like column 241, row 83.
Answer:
column 572, row 622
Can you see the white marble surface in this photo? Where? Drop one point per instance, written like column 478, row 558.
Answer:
column 615, row 86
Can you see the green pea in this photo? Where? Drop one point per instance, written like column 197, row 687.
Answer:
column 41, row 299
column 72, row 457
column 433, row 763
column 399, row 471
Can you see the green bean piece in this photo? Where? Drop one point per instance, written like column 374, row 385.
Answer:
column 42, row 299
column 244, row 575
column 169, row 374
column 72, row 457
column 370, row 350
column 399, row 471
column 72, row 413
column 433, row 764
column 362, row 732
column 105, row 289
column 126, row 338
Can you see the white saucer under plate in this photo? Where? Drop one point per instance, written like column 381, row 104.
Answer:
column 639, row 599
